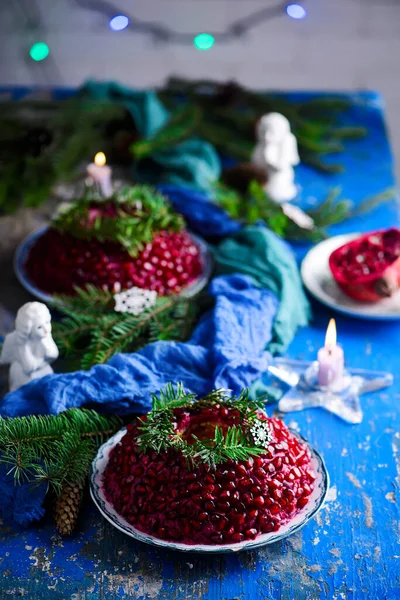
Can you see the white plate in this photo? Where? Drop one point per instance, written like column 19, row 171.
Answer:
column 319, row 281
column 314, row 505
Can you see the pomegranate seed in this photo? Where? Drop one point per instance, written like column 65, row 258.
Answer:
column 247, row 498
column 235, row 497
column 250, row 534
column 241, row 470
column 194, row 487
column 301, row 502
column 245, row 483
column 230, row 486
column 238, row 519
column 259, row 501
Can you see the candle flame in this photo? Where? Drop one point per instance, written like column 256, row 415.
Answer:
column 330, row 338
column 100, row 159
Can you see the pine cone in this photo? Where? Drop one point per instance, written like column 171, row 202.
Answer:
column 67, row 507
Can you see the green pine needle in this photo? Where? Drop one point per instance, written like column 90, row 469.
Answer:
column 55, row 450
column 141, row 212
column 93, row 332
column 256, row 206
column 157, row 432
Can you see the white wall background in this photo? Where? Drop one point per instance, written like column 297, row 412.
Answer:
column 341, row 45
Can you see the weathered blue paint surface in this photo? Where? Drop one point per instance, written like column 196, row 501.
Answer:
column 351, row 550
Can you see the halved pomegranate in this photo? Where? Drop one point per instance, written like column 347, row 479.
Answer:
column 368, row 268
column 161, row 494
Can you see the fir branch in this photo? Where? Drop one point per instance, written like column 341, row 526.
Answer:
column 180, row 127
column 171, row 397
column 91, row 330
column 75, row 129
column 231, row 446
column 370, row 204
column 255, row 206
column 157, row 430
column 136, row 214
column 53, row 449
column 231, row 112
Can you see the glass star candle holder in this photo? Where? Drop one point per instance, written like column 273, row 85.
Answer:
column 294, row 384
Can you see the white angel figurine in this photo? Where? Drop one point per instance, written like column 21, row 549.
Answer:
column 276, row 152
column 30, row 347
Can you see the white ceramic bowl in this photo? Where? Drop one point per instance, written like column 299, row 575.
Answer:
column 314, row 505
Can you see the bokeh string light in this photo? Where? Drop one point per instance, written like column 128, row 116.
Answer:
column 296, row 11
column 39, row 51
column 118, row 21
column 204, row 41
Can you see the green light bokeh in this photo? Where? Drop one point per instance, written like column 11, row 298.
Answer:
column 204, row 41
column 39, row 51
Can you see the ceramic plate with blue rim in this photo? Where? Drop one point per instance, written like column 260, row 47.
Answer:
column 24, row 248
column 319, row 281
column 316, row 501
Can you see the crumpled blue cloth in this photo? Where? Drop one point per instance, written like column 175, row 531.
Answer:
column 21, row 504
column 201, row 214
column 227, row 350
column 193, row 163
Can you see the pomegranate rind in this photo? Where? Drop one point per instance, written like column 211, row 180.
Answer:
column 367, row 269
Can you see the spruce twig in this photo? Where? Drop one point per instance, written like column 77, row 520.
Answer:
column 135, row 215
column 255, row 206
column 157, row 431
column 93, row 332
column 55, row 450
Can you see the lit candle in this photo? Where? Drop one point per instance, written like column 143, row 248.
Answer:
column 101, row 174
column 330, row 359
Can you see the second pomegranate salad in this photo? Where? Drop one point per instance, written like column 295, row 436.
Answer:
column 134, row 239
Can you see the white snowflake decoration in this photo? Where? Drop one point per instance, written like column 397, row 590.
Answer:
column 134, row 301
column 261, row 432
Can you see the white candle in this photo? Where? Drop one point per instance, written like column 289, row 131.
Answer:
column 101, row 174
column 330, row 359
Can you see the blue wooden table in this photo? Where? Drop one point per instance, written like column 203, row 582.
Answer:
column 351, row 550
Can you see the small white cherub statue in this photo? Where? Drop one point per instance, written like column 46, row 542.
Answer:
column 30, row 347
column 276, row 152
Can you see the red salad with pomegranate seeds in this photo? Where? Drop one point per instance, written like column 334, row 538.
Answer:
column 133, row 240
column 196, row 501
column 59, row 262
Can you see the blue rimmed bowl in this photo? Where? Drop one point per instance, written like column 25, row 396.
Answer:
column 314, row 505
column 22, row 253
